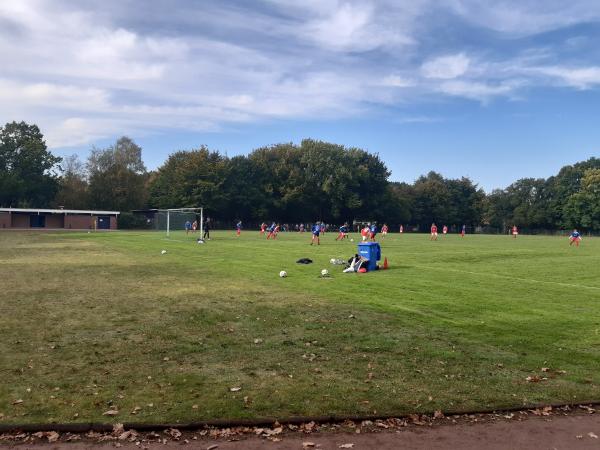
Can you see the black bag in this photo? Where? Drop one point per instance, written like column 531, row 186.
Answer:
column 304, row 261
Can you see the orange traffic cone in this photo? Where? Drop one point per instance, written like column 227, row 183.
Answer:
column 385, row 263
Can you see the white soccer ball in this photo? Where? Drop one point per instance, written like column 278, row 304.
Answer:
column 200, row 241
column 163, row 252
column 351, row 240
column 283, row 274
column 324, row 272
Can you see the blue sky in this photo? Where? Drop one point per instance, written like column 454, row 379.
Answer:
column 494, row 90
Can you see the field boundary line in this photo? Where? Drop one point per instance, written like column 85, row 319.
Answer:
column 508, row 277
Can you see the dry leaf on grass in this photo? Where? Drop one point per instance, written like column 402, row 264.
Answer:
column 111, row 412
column 235, row 389
column 592, row 435
column 346, row 446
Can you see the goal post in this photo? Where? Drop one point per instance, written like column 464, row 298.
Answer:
column 176, row 218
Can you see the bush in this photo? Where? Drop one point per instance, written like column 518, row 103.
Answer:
column 130, row 221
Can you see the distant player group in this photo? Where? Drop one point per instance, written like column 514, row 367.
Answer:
column 434, row 231
column 368, row 231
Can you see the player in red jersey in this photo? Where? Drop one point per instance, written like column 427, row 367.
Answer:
column 384, row 231
column 434, row 232
column 463, row 231
column 263, row 228
column 365, row 232
column 515, row 231
column 445, row 229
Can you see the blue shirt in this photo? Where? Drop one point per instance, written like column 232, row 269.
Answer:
column 373, row 229
column 316, row 229
column 575, row 234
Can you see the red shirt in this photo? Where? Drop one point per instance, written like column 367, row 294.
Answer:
column 434, row 229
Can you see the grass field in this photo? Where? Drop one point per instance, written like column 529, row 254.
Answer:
column 97, row 322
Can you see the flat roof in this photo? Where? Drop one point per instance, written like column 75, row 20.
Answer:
column 60, row 211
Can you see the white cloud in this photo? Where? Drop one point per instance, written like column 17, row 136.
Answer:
column 446, row 67
column 578, row 77
column 525, row 17
column 477, row 90
column 83, row 74
column 397, row 81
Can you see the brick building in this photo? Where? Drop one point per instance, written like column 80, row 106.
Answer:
column 57, row 219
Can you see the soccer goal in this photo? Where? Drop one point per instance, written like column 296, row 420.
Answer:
column 176, row 218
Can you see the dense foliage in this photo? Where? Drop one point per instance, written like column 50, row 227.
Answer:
column 27, row 169
column 289, row 183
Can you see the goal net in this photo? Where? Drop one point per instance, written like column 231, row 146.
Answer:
column 175, row 219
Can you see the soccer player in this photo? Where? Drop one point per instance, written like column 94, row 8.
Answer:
column 463, row 231
column 434, row 232
column 188, row 226
column 316, row 231
column 515, row 231
column 238, row 228
column 401, row 229
column 206, row 235
column 343, row 232
column 373, row 232
column 271, row 231
column 263, row 228
column 384, row 230
column 575, row 238
column 365, row 231
column 445, row 229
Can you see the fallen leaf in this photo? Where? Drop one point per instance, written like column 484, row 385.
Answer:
column 174, row 433
column 118, row 429
column 17, row 402
column 235, row 389
column 53, row 436
column 212, row 447
column 346, row 446
column 592, row 435
column 111, row 412
column 438, row 414
column 545, row 369
column 258, row 341
column 308, row 444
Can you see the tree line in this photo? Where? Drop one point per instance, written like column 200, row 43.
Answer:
column 291, row 183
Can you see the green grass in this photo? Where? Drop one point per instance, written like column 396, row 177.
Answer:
column 91, row 322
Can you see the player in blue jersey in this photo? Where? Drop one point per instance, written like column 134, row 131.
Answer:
column 575, row 238
column 373, row 231
column 316, row 231
column 343, row 233
column 271, row 231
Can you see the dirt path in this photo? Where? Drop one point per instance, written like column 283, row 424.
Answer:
column 572, row 431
